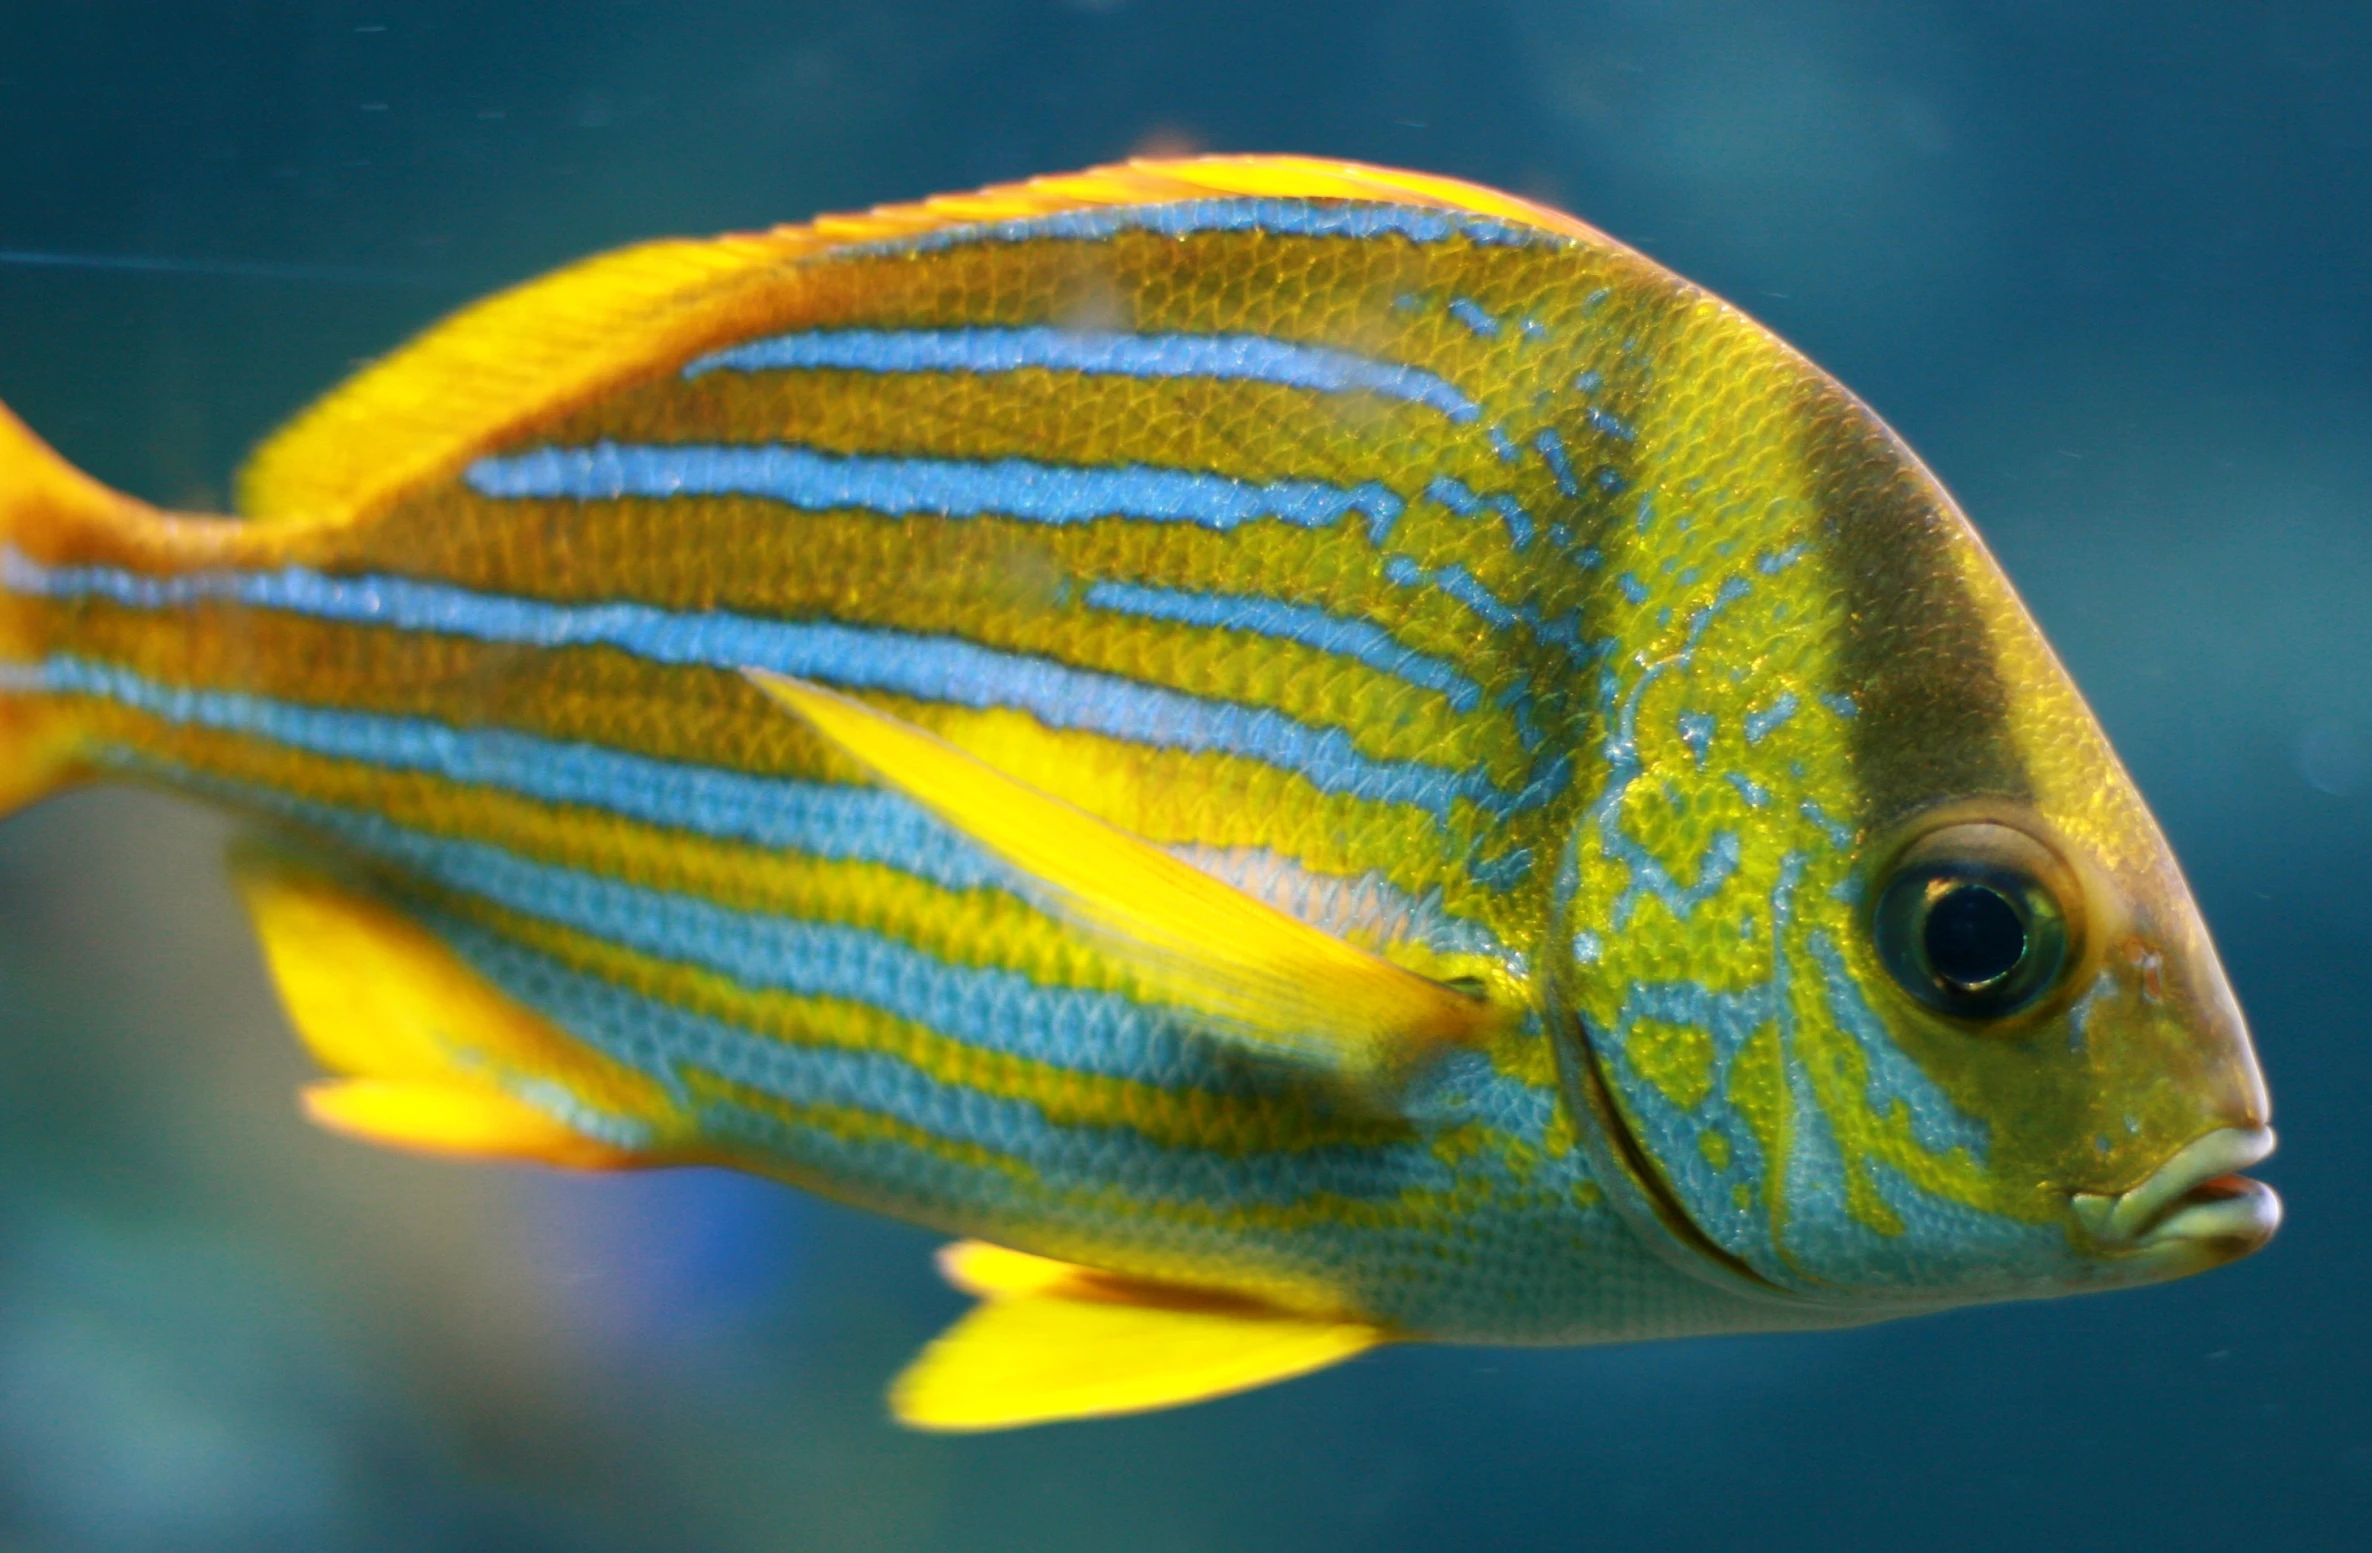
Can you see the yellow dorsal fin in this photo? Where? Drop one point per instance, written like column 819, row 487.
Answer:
column 526, row 356
column 1051, row 1341
column 436, row 1057
column 1269, row 979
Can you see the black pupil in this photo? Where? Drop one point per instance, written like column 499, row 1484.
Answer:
column 1974, row 937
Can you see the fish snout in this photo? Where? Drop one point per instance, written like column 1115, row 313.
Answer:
column 2195, row 1212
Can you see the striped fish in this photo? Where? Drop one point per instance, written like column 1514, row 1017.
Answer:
column 1304, row 756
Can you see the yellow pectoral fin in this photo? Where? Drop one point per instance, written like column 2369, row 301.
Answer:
column 1270, row 979
column 1050, row 1341
column 437, row 1057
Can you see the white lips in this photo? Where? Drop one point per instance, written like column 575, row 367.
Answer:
column 2194, row 1204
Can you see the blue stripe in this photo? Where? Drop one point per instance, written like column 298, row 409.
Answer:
column 1356, row 639
column 1020, row 488
column 1358, row 220
column 928, row 668
column 838, row 824
column 1225, row 356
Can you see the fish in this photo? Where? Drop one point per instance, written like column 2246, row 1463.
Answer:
column 1299, row 756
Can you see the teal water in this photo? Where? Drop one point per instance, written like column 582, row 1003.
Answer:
column 2105, row 265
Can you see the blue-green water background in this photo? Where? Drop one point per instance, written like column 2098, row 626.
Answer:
column 2108, row 265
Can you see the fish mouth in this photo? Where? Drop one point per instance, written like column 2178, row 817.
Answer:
column 2196, row 1211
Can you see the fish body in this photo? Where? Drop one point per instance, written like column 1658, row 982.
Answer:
column 1306, row 755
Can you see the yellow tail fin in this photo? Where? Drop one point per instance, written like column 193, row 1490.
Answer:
column 43, row 501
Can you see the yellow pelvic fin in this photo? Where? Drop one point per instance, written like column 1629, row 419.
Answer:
column 438, row 1059
column 1052, row 1341
column 496, row 370
column 1268, row 979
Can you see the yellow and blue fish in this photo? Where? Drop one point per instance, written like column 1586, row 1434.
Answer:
column 1304, row 756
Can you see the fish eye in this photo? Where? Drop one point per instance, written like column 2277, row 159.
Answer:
column 1974, row 920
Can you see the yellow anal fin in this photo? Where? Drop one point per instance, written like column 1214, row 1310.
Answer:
column 1269, row 979
column 435, row 1057
column 1050, row 1341
column 454, row 1119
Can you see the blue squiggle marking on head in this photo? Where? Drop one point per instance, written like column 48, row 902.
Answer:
column 1840, row 834
column 1937, row 1124
column 1696, row 731
column 1623, row 762
column 1760, row 725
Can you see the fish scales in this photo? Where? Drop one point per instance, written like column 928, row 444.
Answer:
column 1450, row 579
column 656, row 553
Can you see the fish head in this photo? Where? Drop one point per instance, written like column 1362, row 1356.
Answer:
column 1880, row 986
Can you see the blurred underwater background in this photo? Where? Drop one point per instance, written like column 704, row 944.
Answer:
column 2107, row 266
